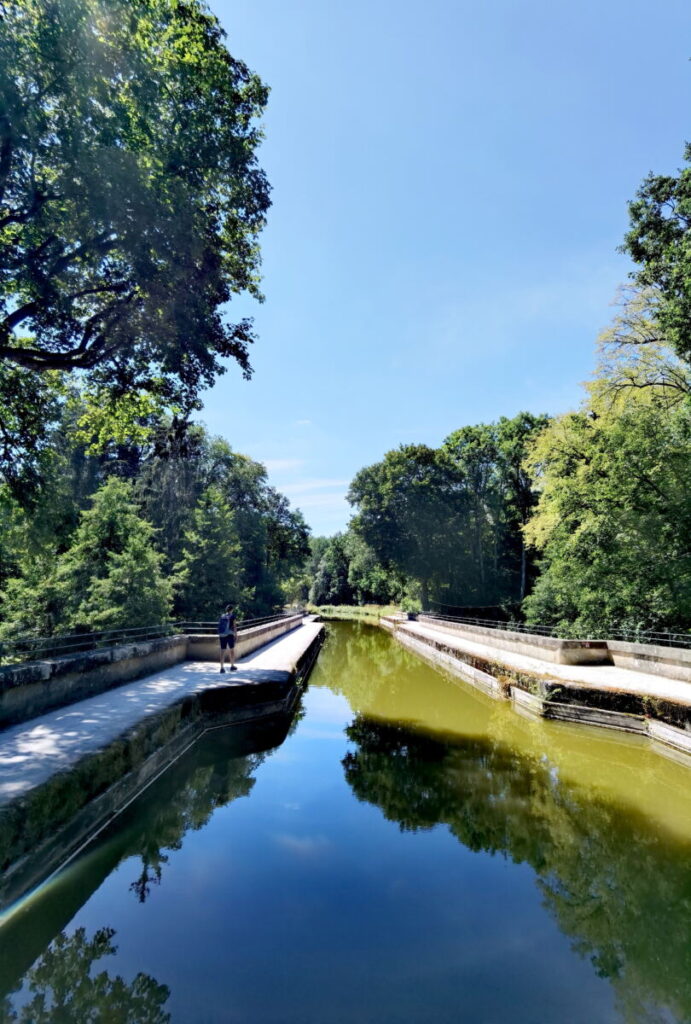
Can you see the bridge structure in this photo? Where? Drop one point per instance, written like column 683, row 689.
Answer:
column 86, row 731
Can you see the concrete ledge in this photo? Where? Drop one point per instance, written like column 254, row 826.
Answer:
column 670, row 735
column 43, row 827
column 672, row 662
column 30, row 689
column 459, row 667
column 548, row 648
column 538, row 695
column 205, row 647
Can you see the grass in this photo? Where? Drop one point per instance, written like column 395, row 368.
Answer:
column 355, row 613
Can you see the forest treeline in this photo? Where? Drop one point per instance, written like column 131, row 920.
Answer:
column 581, row 521
column 133, row 534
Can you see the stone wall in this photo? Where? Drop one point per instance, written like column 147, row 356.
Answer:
column 34, row 687
column 547, row 648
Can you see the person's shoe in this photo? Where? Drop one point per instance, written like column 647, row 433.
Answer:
column 222, row 668
column 233, row 668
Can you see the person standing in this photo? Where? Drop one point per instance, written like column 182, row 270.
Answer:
column 227, row 635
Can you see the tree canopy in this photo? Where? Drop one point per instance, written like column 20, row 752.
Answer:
column 658, row 242
column 130, row 194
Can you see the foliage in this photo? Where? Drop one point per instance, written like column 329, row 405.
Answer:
column 111, row 576
column 451, row 519
column 107, row 535
column 658, row 242
column 330, row 584
column 63, row 986
column 207, row 577
column 130, row 196
column 614, row 514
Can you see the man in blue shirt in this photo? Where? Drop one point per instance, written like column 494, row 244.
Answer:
column 227, row 635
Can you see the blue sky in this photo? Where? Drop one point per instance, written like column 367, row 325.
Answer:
column 450, row 181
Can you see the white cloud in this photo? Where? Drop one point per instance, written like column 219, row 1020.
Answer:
column 303, row 423
column 280, row 465
column 302, row 845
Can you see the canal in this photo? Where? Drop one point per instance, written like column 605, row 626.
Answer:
column 404, row 850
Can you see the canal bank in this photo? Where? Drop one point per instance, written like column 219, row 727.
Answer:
column 66, row 773
column 412, row 851
column 638, row 690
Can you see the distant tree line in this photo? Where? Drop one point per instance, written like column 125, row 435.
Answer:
column 581, row 522
column 177, row 524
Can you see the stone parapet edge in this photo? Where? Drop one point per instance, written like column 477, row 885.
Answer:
column 538, row 696
column 142, row 753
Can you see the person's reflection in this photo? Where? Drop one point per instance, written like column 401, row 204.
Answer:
column 62, row 987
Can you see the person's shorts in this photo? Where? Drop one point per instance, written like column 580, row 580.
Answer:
column 227, row 641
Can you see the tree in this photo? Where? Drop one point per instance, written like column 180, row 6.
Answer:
column 406, row 512
column 207, row 577
column 111, row 576
column 108, row 578
column 330, row 584
column 130, row 196
column 64, row 985
column 614, row 514
column 659, row 241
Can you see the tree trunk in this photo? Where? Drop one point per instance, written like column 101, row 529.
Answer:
column 524, row 567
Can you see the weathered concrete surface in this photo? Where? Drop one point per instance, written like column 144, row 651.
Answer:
column 672, row 662
column 62, row 776
column 601, row 695
column 32, row 688
column 652, row 659
column 205, row 647
column 31, row 752
column 547, row 648
column 596, row 677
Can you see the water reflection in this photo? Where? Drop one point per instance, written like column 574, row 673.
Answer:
column 210, row 775
column 617, row 887
column 62, row 987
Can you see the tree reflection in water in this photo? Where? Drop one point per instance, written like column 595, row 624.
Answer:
column 618, row 889
column 62, row 988
column 188, row 807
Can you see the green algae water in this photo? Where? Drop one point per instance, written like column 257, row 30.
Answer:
column 405, row 850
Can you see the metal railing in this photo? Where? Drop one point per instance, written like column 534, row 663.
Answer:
column 663, row 638
column 204, row 628
column 32, row 648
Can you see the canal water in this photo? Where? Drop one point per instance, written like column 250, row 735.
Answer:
column 410, row 851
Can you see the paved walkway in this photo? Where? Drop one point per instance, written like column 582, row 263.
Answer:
column 597, row 677
column 33, row 751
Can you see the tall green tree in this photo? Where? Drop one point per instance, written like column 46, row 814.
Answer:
column 659, row 242
column 130, row 195
column 614, row 515
column 109, row 577
column 208, row 575
column 406, row 512
column 330, row 584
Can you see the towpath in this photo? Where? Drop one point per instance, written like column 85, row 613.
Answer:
column 598, row 677
column 33, row 751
